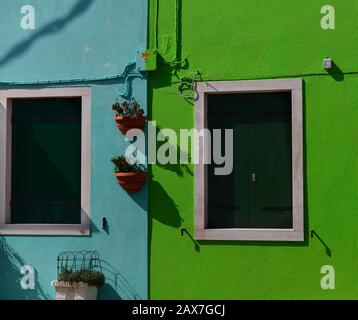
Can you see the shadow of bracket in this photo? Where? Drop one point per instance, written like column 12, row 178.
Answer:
column 328, row 250
column 196, row 244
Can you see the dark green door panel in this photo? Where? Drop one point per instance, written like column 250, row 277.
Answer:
column 46, row 161
column 271, row 161
column 228, row 204
column 263, row 148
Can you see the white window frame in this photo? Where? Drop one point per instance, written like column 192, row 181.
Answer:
column 6, row 97
column 297, row 232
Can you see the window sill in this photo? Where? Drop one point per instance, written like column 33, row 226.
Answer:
column 249, row 234
column 45, row 229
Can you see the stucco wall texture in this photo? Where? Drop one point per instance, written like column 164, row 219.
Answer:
column 75, row 39
column 259, row 39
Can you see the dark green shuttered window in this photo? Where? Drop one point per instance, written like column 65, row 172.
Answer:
column 258, row 193
column 46, row 161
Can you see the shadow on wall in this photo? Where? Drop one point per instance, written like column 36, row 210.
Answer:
column 116, row 286
column 163, row 208
column 10, row 276
column 336, row 72
column 179, row 168
column 51, row 28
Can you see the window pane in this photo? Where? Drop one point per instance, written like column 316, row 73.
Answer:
column 271, row 161
column 46, row 161
column 258, row 193
column 228, row 205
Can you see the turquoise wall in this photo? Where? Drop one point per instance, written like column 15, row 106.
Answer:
column 259, row 39
column 75, row 39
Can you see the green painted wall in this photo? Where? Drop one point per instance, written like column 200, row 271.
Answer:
column 249, row 39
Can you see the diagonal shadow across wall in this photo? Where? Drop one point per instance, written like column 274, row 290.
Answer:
column 51, row 28
column 117, row 286
column 10, row 276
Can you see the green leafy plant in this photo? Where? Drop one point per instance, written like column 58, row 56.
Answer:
column 92, row 278
column 128, row 109
column 122, row 165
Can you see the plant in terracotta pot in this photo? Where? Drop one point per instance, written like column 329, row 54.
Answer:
column 131, row 177
column 78, row 285
column 129, row 115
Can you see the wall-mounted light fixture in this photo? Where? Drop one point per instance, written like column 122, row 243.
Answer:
column 327, row 63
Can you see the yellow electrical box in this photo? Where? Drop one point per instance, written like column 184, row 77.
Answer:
column 146, row 60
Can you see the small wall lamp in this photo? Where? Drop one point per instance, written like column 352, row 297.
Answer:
column 327, row 63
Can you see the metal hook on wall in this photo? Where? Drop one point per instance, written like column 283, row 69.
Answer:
column 127, row 75
column 196, row 244
column 187, row 85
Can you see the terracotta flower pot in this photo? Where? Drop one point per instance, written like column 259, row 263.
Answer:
column 131, row 181
column 124, row 123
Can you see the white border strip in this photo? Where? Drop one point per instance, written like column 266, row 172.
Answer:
column 6, row 96
column 297, row 232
